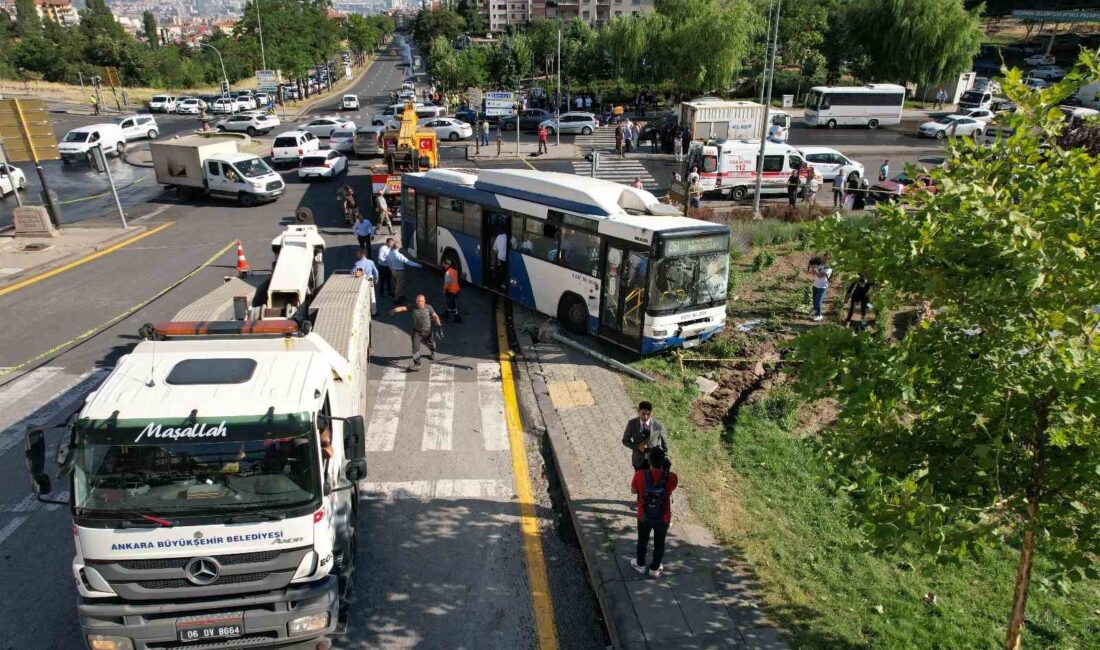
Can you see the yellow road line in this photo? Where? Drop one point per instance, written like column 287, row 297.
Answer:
column 527, row 162
column 541, row 603
column 72, row 265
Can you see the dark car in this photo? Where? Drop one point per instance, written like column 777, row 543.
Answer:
column 657, row 125
column 468, row 115
column 888, row 190
column 529, row 120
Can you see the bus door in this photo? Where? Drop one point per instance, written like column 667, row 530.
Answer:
column 623, row 293
column 426, row 228
column 495, row 230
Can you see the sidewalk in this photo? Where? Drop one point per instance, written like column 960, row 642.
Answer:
column 22, row 257
column 703, row 600
column 526, row 149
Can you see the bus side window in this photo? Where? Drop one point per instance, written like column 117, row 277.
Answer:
column 408, row 203
column 471, row 222
column 517, row 232
column 540, row 239
column 580, row 250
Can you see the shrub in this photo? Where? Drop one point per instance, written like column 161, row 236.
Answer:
column 763, row 260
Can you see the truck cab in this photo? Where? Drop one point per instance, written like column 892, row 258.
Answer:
column 242, row 175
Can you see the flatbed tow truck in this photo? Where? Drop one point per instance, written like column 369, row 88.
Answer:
column 214, row 475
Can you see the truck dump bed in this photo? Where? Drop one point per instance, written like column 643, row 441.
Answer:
column 341, row 314
column 218, row 304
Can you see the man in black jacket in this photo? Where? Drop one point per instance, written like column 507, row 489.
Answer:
column 642, row 434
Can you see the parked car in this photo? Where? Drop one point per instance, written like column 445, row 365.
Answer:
column 322, row 127
column 323, row 163
column 190, row 106
column 829, row 161
column 12, row 179
column 1047, row 73
column 1039, row 59
column 1036, row 84
column 135, row 127
column 342, row 140
column 983, row 114
column 162, row 103
column 245, row 100
column 290, row 91
column 290, row 146
column 575, row 122
column 900, row 185
column 262, row 99
column 448, row 128
column 952, row 125
column 350, row 102
column 469, row 115
column 78, row 143
column 529, row 120
column 251, row 123
column 368, row 140
column 224, row 105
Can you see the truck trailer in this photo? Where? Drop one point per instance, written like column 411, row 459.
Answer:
column 213, row 476
column 715, row 119
column 199, row 166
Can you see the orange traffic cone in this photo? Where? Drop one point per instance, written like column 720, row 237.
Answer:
column 242, row 264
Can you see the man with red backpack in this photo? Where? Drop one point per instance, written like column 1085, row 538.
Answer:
column 654, row 488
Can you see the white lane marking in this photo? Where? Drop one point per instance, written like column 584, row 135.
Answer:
column 75, row 388
column 10, row 528
column 437, row 489
column 439, row 422
column 382, row 431
column 491, row 403
column 30, row 503
column 11, row 395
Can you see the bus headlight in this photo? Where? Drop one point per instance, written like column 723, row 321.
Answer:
column 660, row 333
column 307, row 624
column 101, row 642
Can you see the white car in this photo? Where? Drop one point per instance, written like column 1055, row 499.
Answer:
column 290, row 146
column 322, row 127
column 448, row 128
column 350, row 102
column 262, row 99
column 1047, row 73
column 78, row 143
column 224, row 105
column 1039, row 59
column 342, row 140
column 252, row 124
column 983, row 114
column 190, row 106
column 1036, row 84
column 162, row 103
column 135, row 127
column 12, row 180
column 952, row 125
column 574, row 122
column 245, row 101
column 829, row 161
column 323, row 163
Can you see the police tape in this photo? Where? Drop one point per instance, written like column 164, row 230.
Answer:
column 61, row 348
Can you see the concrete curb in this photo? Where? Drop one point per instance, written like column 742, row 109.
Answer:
column 132, row 231
column 619, row 616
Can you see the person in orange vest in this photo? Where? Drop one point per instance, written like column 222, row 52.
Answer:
column 450, row 291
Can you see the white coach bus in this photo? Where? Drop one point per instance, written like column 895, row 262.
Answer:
column 871, row 105
column 604, row 258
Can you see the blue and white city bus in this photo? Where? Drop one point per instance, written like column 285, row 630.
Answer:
column 603, row 258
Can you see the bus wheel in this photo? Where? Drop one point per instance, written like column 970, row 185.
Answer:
column 739, row 193
column 873, row 124
column 573, row 313
column 831, row 124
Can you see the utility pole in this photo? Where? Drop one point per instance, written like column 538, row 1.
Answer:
column 767, row 105
column 260, row 29
column 557, row 105
column 764, row 68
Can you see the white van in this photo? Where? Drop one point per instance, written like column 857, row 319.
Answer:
column 729, row 166
column 423, row 112
column 78, row 143
column 163, row 103
column 289, row 147
column 135, row 127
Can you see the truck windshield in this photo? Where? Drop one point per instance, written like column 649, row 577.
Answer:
column 181, row 467
column 253, row 168
column 691, row 280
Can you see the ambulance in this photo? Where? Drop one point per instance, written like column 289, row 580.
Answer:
column 729, row 167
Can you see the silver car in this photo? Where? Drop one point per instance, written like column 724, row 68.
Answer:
column 342, row 140
column 575, row 122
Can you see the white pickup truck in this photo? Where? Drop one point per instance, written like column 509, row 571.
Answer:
column 199, row 166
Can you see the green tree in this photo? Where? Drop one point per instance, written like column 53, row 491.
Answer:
column 543, row 37
column 440, row 22
column 922, row 41
column 980, row 426
column 152, row 34
column 443, row 62
column 802, row 30
column 27, row 21
column 363, row 35
column 726, row 27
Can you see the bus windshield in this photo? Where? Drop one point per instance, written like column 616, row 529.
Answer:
column 812, row 99
column 175, row 467
column 692, row 280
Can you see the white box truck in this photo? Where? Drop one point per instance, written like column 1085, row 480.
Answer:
column 198, row 166
column 213, row 476
column 715, row 119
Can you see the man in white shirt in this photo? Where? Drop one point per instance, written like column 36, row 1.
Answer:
column 500, row 258
column 385, row 280
column 383, row 209
column 364, row 267
column 397, row 262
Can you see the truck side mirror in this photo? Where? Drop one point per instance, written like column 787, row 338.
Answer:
column 36, row 462
column 355, row 445
column 355, row 470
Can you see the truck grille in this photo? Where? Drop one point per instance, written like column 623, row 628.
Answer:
column 274, row 185
column 249, row 641
column 180, row 583
column 181, row 562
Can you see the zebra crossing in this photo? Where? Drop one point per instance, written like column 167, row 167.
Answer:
column 602, row 138
column 40, row 398
column 410, row 414
column 620, row 170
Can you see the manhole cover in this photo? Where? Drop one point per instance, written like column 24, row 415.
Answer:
column 36, row 247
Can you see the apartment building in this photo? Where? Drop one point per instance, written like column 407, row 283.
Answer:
column 499, row 14
column 56, row 11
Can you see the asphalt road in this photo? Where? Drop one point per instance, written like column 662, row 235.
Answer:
column 441, row 562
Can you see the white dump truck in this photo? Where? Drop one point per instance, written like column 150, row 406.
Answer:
column 199, row 166
column 715, row 119
column 213, row 476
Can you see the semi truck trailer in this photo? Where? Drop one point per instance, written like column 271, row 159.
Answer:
column 213, row 476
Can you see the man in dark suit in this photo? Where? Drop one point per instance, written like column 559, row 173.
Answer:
column 642, row 434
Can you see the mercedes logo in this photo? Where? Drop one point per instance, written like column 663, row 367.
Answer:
column 202, row 571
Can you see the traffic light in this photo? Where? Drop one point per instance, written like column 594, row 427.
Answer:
column 225, row 86
column 96, row 80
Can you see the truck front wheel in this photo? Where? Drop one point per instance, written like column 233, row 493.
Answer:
column 246, row 200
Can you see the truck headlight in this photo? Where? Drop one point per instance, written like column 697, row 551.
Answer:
column 101, row 642
column 307, row 624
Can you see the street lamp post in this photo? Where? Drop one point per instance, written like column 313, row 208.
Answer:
column 225, row 77
column 767, row 105
column 260, row 29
